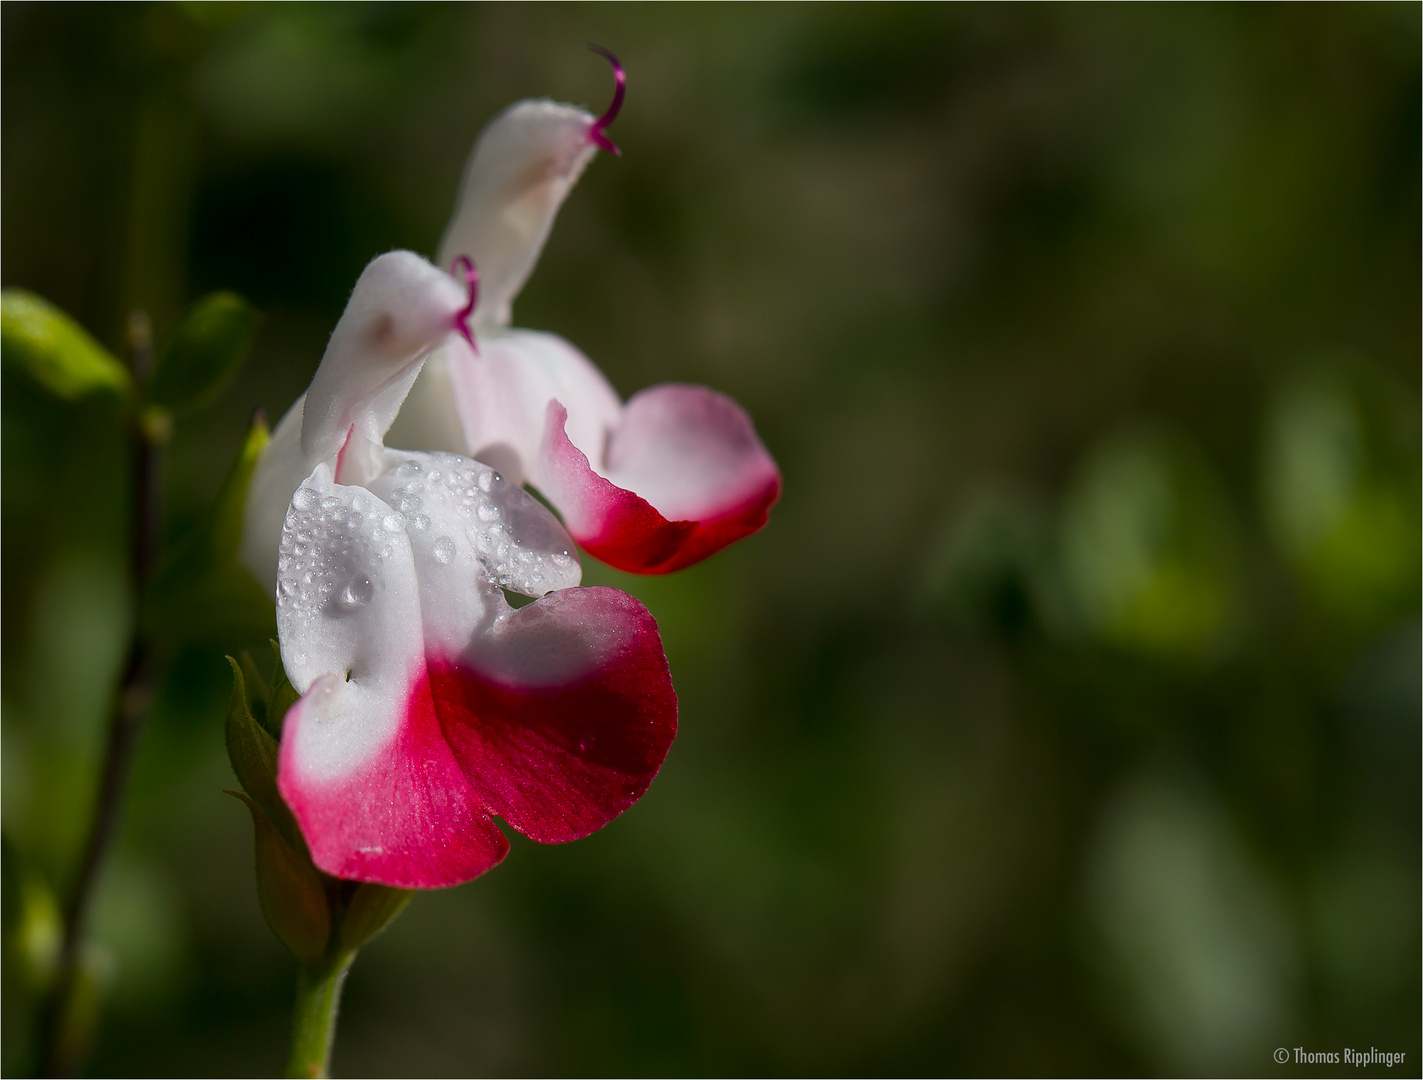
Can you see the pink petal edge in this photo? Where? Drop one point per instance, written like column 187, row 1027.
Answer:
column 627, row 532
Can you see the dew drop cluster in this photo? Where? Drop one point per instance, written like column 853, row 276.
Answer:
column 452, row 503
column 331, row 552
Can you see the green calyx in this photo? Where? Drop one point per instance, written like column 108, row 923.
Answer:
column 317, row 917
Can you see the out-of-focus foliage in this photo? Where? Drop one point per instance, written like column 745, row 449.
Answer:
column 50, row 349
column 1066, row 717
column 199, row 596
column 205, row 353
column 1149, row 548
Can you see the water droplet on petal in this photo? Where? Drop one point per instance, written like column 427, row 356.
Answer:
column 356, row 594
column 444, row 550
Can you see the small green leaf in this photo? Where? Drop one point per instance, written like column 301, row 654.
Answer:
column 371, row 909
column 289, row 889
column 46, row 346
column 205, row 352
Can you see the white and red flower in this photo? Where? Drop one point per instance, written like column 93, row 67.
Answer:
column 651, row 485
column 430, row 705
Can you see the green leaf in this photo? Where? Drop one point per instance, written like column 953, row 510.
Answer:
column 372, row 907
column 291, row 892
column 205, row 352
column 46, row 346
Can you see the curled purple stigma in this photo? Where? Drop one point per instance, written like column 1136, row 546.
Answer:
column 464, row 265
column 597, row 131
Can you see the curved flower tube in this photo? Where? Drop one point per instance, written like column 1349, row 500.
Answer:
column 649, row 486
column 430, row 705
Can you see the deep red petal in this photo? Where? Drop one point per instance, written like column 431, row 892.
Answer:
column 560, row 757
column 407, row 818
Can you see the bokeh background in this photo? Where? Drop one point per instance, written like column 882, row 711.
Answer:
column 1065, row 719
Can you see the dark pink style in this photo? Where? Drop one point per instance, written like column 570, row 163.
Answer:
column 598, row 130
column 650, row 486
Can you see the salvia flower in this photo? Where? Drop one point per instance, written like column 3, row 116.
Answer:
column 651, row 485
column 428, row 704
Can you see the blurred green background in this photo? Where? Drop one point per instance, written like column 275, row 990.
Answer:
column 1065, row 719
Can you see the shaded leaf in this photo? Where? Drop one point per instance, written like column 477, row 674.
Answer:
column 205, row 352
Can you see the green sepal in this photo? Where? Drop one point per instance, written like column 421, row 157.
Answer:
column 290, row 891
column 252, row 751
column 46, row 346
column 205, row 352
column 258, row 693
column 199, row 592
column 371, row 908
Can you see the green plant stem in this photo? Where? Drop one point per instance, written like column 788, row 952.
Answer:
column 61, row 1047
column 318, row 998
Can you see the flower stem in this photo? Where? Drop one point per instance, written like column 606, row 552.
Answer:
column 61, row 1045
column 318, row 998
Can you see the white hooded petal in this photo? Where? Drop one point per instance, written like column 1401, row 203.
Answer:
column 400, row 309
column 518, row 174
